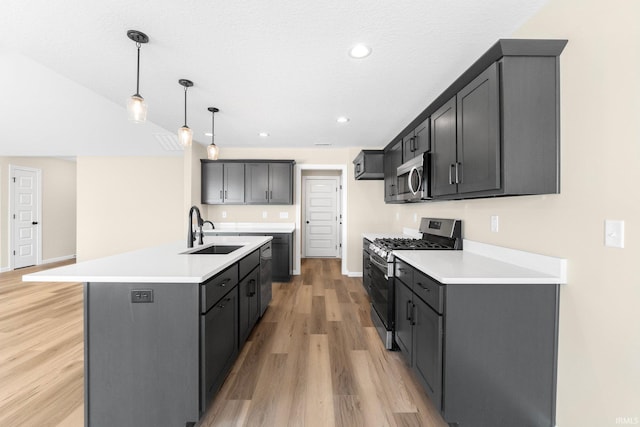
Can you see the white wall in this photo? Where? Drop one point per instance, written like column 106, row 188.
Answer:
column 599, row 349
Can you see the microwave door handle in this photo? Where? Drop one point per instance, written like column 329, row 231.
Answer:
column 414, row 191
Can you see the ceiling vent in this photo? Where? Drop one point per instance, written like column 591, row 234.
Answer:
column 169, row 142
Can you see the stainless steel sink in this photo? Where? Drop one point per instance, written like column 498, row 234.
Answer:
column 214, row 250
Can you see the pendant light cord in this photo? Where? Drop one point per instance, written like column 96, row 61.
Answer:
column 213, row 115
column 138, row 71
column 185, row 106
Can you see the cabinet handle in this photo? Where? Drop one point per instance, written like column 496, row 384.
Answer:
column 225, row 194
column 422, row 287
column 266, row 194
column 413, row 317
column 358, row 168
column 408, row 310
column 224, row 282
column 450, row 176
column 458, row 181
column 220, row 194
column 413, row 144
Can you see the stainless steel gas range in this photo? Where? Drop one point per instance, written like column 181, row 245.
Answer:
column 378, row 272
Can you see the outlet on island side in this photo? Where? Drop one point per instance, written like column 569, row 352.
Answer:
column 142, row 295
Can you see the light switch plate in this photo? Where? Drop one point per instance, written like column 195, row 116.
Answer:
column 264, row 214
column 494, row 223
column 224, row 214
column 614, row 234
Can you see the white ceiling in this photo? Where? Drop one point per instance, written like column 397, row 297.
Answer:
column 279, row 66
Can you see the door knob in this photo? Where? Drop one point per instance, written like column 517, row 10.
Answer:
column 34, row 222
column 307, row 222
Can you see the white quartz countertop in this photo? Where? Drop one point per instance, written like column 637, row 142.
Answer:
column 160, row 264
column 468, row 267
column 251, row 227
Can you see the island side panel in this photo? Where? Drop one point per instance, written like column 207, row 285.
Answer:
column 141, row 359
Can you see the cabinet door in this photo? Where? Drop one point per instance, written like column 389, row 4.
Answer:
column 280, row 183
column 443, row 149
column 234, row 183
column 212, row 180
column 248, row 304
column 408, row 150
column 422, row 138
column 427, row 349
column 219, row 345
column 478, row 122
column 404, row 309
column 256, row 183
column 392, row 159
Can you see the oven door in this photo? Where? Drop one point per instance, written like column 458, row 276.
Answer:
column 381, row 292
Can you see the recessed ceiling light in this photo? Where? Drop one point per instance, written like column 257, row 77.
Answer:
column 342, row 119
column 360, row 51
column 264, row 134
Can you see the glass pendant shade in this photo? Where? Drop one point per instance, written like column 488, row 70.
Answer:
column 185, row 136
column 212, row 152
column 137, row 109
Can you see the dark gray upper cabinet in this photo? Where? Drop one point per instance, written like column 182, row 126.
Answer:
column 281, row 183
column 392, row 159
column 443, row 149
column 368, row 165
column 247, row 182
column 222, row 183
column 495, row 130
column 466, row 139
column 416, row 142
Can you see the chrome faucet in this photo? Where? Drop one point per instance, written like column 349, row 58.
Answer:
column 190, row 233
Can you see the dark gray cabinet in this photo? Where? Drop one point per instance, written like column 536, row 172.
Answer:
column 222, row 182
column 466, row 139
column 485, row 354
column 368, row 164
column 495, row 130
column 219, row 343
column 269, row 183
column 249, row 311
column 419, row 330
column 282, row 256
column 366, row 266
column 416, row 142
column 392, row 159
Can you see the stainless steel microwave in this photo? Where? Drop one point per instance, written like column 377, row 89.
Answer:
column 414, row 179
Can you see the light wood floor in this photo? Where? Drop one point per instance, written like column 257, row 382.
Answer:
column 313, row 360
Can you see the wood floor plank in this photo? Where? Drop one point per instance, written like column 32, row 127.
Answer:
column 319, row 397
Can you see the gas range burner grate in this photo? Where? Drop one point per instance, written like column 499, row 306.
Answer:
column 408, row 244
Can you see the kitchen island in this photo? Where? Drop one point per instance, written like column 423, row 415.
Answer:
column 163, row 327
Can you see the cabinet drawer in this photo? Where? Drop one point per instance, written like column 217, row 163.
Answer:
column 428, row 290
column 280, row 238
column 249, row 262
column 404, row 272
column 215, row 288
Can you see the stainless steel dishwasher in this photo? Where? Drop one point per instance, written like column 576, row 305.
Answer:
column 265, row 277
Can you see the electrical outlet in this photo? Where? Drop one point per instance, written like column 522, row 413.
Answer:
column 494, row 223
column 264, row 214
column 224, row 214
column 284, row 215
column 415, row 217
column 142, row 295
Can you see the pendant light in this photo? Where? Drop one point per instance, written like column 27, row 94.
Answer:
column 185, row 135
column 212, row 150
column 136, row 107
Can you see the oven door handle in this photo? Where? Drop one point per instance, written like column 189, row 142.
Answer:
column 382, row 267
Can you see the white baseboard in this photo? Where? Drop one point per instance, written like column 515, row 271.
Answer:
column 4, row 269
column 58, row 259
column 355, row 274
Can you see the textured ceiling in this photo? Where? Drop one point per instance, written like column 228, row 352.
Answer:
column 278, row 66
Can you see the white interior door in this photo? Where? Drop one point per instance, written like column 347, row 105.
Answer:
column 25, row 220
column 321, row 217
